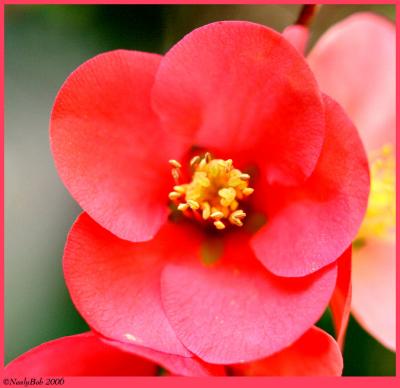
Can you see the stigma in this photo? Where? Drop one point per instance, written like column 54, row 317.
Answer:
column 214, row 194
column 380, row 219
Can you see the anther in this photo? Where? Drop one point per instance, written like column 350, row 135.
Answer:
column 179, row 189
column 206, row 210
column 202, row 163
column 183, row 206
column 175, row 174
column 202, row 178
column 174, row 195
column 238, row 214
column 228, row 165
column 235, row 221
column 248, row 191
column 175, row 163
column 195, row 160
column 194, row 205
column 234, row 205
column 219, row 225
column 216, row 215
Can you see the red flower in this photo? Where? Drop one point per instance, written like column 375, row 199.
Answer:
column 202, row 284
column 315, row 353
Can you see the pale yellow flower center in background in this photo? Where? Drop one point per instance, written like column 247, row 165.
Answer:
column 214, row 193
column 380, row 219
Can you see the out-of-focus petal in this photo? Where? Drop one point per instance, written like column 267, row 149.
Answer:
column 374, row 289
column 355, row 63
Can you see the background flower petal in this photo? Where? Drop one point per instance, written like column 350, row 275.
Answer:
column 241, row 90
column 79, row 355
column 355, row 63
column 234, row 310
column 316, row 353
column 310, row 226
column 374, row 289
column 106, row 143
column 114, row 284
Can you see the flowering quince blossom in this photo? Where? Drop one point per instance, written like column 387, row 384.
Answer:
column 364, row 85
column 233, row 256
column 86, row 354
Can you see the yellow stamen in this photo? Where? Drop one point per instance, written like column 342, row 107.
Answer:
column 202, row 178
column 227, row 195
column 206, row 210
column 195, row 160
column 183, row 206
column 234, row 205
column 238, row 214
column 219, row 225
column 193, row 204
column 175, row 163
column 217, row 215
column 248, row 191
column 175, row 174
column 179, row 189
column 380, row 219
column 235, row 221
column 174, row 195
column 216, row 188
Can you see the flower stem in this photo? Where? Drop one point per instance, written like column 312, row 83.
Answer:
column 307, row 14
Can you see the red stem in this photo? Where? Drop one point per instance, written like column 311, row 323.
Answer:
column 307, row 14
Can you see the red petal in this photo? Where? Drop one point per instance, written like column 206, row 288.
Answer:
column 176, row 365
column 341, row 298
column 355, row 63
column 234, row 310
column 374, row 289
column 298, row 36
column 79, row 355
column 315, row 354
column 241, row 90
column 106, row 143
column 310, row 226
column 114, row 284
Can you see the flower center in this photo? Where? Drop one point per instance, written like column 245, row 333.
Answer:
column 215, row 192
column 380, row 218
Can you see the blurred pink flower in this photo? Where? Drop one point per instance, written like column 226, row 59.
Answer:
column 354, row 62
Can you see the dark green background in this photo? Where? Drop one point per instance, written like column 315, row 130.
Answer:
column 43, row 44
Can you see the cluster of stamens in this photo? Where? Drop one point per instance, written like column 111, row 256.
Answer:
column 380, row 219
column 214, row 193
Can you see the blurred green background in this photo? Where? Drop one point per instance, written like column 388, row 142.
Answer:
column 43, row 44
